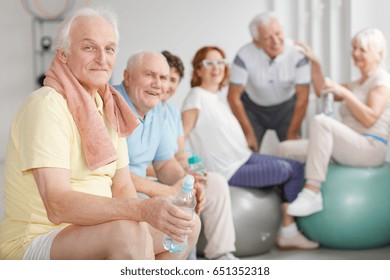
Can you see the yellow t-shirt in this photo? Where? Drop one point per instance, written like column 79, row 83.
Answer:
column 44, row 134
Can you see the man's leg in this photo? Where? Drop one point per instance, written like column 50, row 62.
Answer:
column 112, row 240
column 253, row 112
column 281, row 118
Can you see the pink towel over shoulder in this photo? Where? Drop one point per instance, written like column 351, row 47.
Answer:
column 96, row 142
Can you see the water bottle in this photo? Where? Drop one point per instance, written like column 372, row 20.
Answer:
column 186, row 200
column 195, row 163
column 327, row 103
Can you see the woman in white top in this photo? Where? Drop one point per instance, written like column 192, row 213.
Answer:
column 215, row 134
column 360, row 138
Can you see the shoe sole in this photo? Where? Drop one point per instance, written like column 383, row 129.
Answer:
column 290, row 248
column 303, row 214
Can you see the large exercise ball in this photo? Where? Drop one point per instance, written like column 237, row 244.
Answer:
column 257, row 216
column 356, row 211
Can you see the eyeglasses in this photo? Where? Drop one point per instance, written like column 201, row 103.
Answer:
column 210, row 63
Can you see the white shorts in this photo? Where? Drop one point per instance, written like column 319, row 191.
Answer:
column 39, row 249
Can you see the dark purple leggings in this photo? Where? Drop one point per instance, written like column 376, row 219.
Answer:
column 265, row 171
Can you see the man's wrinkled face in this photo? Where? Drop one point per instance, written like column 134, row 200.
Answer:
column 92, row 52
column 271, row 39
column 147, row 83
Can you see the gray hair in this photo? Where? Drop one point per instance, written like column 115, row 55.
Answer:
column 137, row 59
column 374, row 40
column 63, row 40
column 261, row 20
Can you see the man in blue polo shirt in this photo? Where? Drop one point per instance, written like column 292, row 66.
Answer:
column 144, row 83
column 269, row 83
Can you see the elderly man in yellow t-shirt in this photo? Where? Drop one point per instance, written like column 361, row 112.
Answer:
column 68, row 193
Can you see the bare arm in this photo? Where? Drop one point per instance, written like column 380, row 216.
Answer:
column 169, row 171
column 181, row 155
column 234, row 99
column 189, row 119
column 122, row 185
column 302, row 93
column 366, row 113
column 63, row 205
column 317, row 76
column 154, row 188
column 150, row 171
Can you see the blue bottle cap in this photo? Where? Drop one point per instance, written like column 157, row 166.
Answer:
column 194, row 160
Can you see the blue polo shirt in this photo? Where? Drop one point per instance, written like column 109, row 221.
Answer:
column 174, row 124
column 150, row 141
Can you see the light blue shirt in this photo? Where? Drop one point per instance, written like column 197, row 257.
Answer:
column 174, row 124
column 150, row 141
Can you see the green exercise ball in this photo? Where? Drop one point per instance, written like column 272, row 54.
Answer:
column 356, row 211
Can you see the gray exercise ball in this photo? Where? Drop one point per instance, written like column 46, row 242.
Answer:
column 257, row 217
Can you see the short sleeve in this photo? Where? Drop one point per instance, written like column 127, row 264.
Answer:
column 192, row 101
column 303, row 76
column 238, row 72
column 123, row 158
column 165, row 148
column 180, row 129
column 383, row 79
column 177, row 122
column 45, row 133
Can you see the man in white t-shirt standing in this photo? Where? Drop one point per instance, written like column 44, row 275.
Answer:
column 269, row 83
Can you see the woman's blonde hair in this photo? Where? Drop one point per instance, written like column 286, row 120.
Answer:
column 373, row 39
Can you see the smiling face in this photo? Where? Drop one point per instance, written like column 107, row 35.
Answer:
column 147, row 82
column 174, row 80
column 271, row 38
column 92, row 52
column 212, row 70
column 364, row 58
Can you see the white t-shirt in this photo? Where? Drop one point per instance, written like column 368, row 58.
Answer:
column 217, row 136
column 381, row 126
column 270, row 82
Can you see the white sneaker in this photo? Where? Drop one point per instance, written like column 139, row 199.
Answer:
column 307, row 203
column 297, row 241
column 227, row 256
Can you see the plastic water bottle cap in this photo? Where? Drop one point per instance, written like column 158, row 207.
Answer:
column 188, row 183
column 194, row 160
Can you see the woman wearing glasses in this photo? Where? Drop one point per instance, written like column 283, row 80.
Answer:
column 215, row 134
